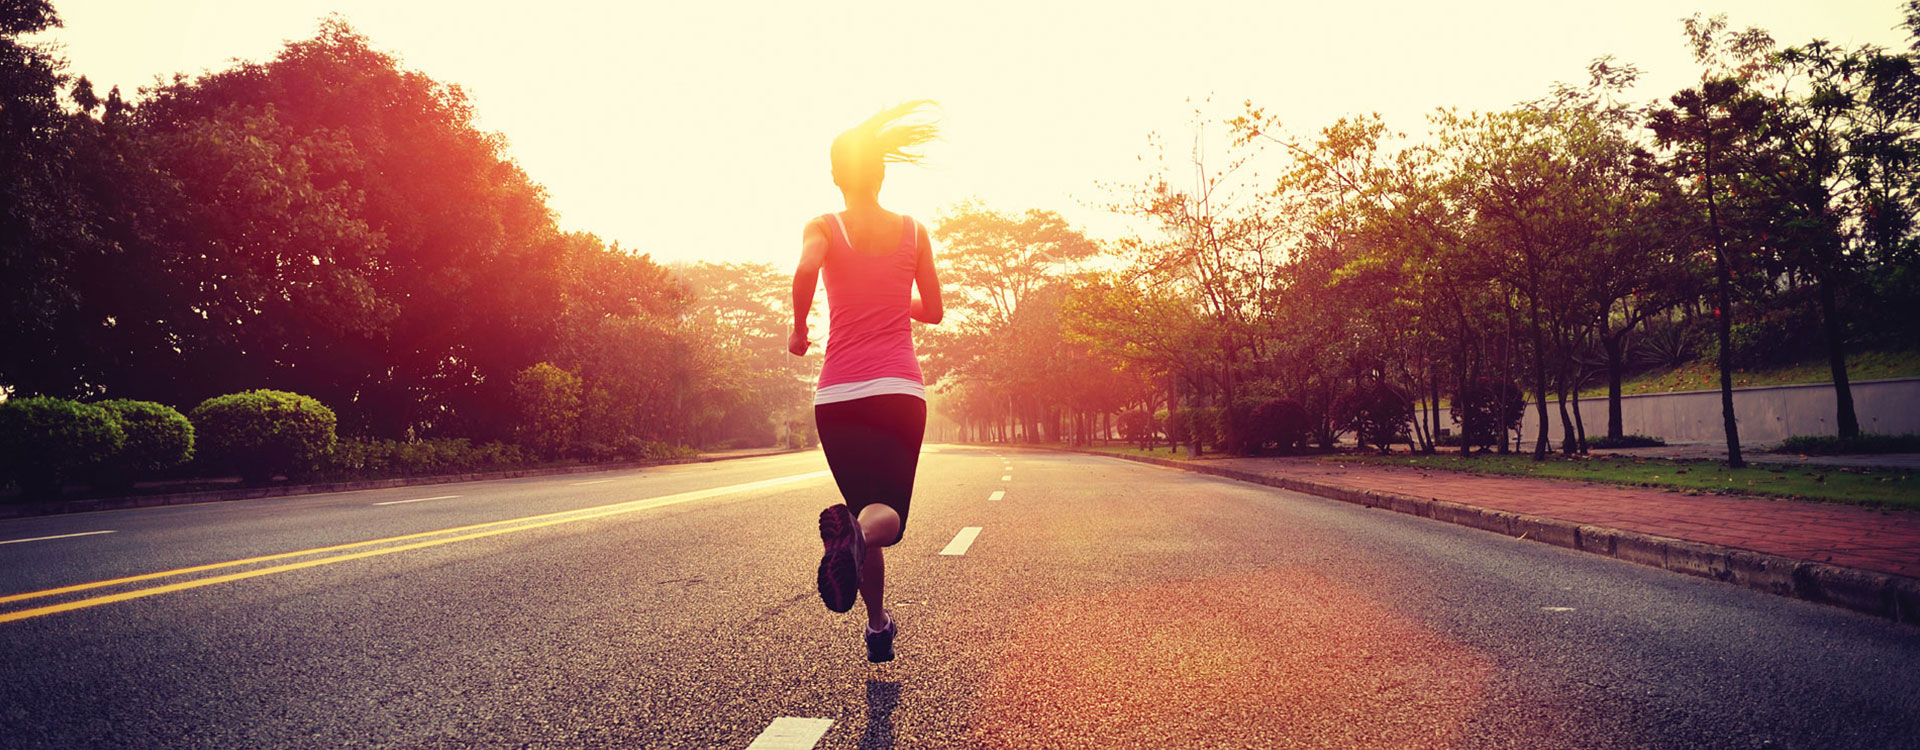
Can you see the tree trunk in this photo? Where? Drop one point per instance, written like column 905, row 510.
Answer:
column 1230, row 421
column 1837, row 360
column 1615, row 370
column 1579, row 424
column 1433, row 407
column 1725, row 315
column 1462, row 378
column 1539, row 377
column 1724, row 270
column 1507, row 440
column 1567, row 443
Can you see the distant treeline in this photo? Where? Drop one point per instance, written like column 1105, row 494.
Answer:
column 1284, row 288
column 332, row 224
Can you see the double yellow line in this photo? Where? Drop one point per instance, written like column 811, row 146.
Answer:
column 460, row 534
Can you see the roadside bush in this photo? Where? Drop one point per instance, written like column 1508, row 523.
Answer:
column 1780, row 336
column 263, row 432
column 1667, row 343
column 366, row 458
column 1625, row 441
column 1137, row 426
column 549, row 400
column 1176, row 423
column 1377, row 413
column 640, row 449
column 157, row 438
column 800, row 433
column 1832, row 445
column 591, row 451
column 1487, row 411
column 1209, row 425
column 44, row 440
column 1321, row 426
column 1280, row 423
column 1192, row 424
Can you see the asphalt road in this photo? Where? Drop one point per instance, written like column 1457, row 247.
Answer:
column 1103, row 604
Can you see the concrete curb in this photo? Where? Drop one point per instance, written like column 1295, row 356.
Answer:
column 254, row 493
column 1891, row 596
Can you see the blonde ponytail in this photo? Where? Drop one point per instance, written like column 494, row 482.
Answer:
column 860, row 154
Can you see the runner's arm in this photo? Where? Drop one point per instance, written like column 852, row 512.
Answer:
column 806, row 278
column 926, row 308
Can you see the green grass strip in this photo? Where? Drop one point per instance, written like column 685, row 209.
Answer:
column 1871, row 487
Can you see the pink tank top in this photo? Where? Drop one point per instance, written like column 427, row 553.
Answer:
column 869, row 336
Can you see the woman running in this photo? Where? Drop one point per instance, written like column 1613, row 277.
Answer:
column 870, row 407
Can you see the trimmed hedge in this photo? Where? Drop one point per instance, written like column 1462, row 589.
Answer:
column 1487, row 411
column 44, row 440
column 1866, row 443
column 1138, row 426
column 1282, row 423
column 1625, row 441
column 361, row 458
column 264, row 432
column 158, row 438
column 368, row 458
column 1377, row 413
column 641, row 449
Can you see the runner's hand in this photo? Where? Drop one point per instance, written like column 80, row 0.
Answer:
column 797, row 342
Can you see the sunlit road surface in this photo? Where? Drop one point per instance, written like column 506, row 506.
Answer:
column 1095, row 603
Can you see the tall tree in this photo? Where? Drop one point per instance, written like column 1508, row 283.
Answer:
column 472, row 264
column 1838, row 161
column 43, row 234
column 1710, row 131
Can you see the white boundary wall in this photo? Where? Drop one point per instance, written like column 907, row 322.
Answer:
column 1770, row 414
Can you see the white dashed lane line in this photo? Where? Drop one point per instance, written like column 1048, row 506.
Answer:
column 791, row 733
column 997, row 494
column 418, row 500
column 56, row 536
column 1006, row 477
column 962, row 541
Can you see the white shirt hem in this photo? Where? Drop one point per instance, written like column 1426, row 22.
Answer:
column 829, row 394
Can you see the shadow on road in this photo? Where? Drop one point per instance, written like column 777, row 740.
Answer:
column 881, row 698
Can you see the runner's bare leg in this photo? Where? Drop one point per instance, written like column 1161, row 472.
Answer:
column 877, row 522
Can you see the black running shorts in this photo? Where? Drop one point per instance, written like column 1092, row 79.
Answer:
column 873, row 447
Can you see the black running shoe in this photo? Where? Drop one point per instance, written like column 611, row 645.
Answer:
column 840, row 564
column 880, row 645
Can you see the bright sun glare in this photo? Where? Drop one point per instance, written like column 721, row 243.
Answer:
column 699, row 131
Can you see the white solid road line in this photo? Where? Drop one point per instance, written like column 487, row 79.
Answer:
column 56, row 536
column 962, row 541
column 418, row 500
column 596, row 481
column 997, row 494
column 791, row 733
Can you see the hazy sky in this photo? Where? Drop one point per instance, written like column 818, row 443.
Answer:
column 699, row 130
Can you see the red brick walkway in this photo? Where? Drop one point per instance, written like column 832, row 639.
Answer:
column 1882, row 541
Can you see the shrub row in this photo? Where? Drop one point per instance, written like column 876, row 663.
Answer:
column 262, row 433
column 376, row 457
column 1625, row 441
column 1830, row 445
column 46, row 442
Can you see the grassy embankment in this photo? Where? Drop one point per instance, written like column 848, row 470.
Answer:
column 1877, row 487
column 1704, row 376
column 1872, row 487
